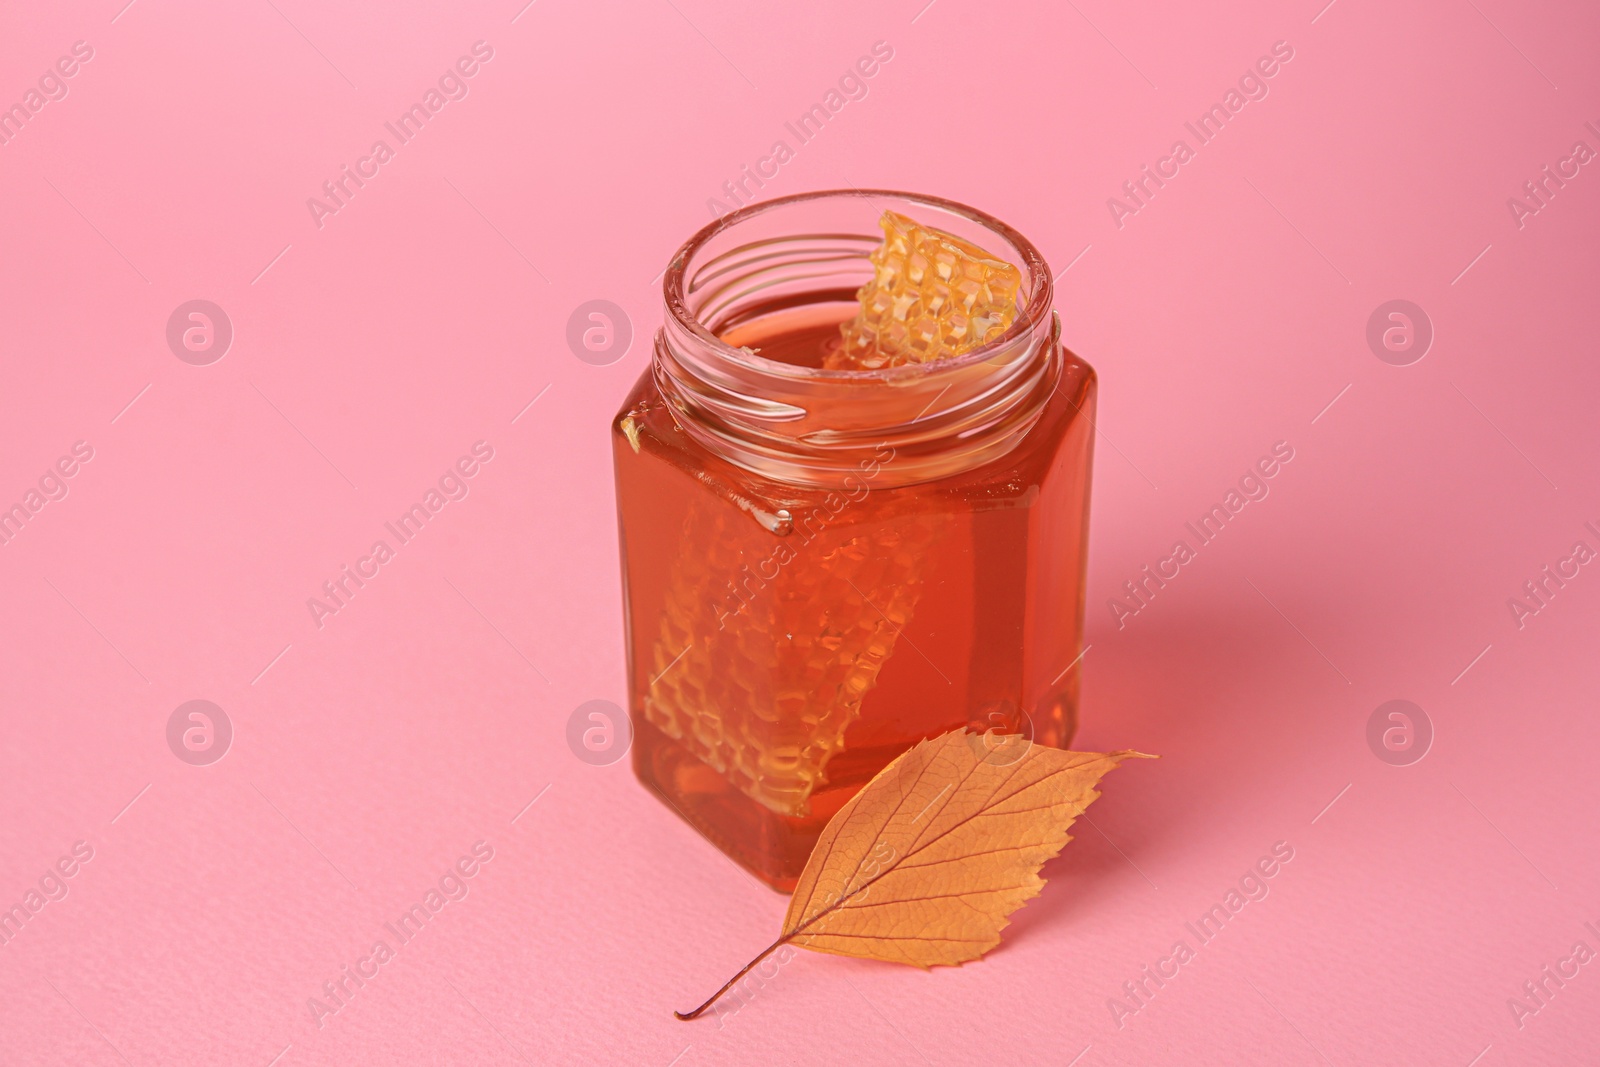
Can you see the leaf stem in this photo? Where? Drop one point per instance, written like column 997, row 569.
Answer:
column 769, row 950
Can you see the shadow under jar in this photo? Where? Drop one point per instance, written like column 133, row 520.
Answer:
column 823, row 567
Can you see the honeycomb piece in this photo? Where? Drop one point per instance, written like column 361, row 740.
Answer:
column 932, row 296
column 759, row 677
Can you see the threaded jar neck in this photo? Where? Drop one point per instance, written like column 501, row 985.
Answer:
column 811, row 427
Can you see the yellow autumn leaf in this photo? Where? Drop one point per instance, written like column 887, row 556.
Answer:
column 924, row 865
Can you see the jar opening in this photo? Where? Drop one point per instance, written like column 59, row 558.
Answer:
column 796, row 262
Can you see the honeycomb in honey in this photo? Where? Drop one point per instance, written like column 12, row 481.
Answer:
column 760, row 677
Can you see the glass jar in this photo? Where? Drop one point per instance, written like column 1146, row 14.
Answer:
column 823, row 567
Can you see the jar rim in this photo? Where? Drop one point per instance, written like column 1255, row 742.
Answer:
column 1031, row 317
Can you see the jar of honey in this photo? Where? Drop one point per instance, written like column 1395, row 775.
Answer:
column 827, row 559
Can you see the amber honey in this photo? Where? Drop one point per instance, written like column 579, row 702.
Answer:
column 822, row 567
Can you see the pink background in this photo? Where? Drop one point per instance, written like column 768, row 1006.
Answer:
column 372, row 752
